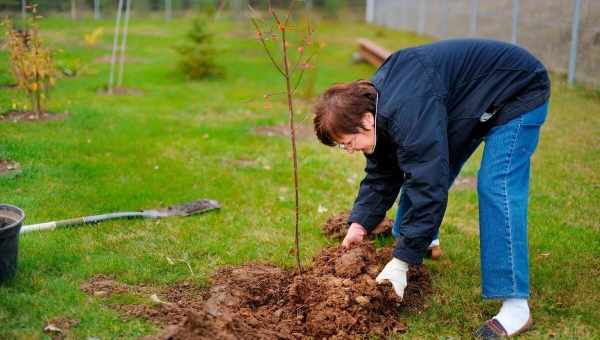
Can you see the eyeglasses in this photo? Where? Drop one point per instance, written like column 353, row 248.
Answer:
column 348, row 145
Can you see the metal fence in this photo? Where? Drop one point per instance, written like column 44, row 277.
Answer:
column 564, row 34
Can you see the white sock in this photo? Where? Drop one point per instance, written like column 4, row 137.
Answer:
column 513, row 315
column 434, row 243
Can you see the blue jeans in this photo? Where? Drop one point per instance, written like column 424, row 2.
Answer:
column 503, row 191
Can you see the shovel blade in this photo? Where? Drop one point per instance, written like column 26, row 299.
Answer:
column 186, row 209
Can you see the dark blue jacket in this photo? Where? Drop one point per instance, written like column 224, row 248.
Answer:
column 435, row 103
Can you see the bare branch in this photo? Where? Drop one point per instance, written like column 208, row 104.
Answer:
column 266, row 48
column 289, row 13
column 302, row 73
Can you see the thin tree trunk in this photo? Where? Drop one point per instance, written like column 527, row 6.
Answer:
column 290, row 100
column 38, row 99
column 168, row 10
column 113, row 57
column 74, row 9
column 124, row 44
column 96, row 9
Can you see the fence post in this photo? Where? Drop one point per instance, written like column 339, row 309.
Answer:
column 515, row 20
column 370, row 11
column 574, row 37
column 404, row 17
column 96, row 9
column 473, row 21
column 422, row 12
column 445, row 19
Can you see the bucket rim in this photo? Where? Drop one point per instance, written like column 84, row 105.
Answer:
column 17, row 210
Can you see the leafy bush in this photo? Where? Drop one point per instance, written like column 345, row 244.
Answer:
column 31, row 64
column 197, row 55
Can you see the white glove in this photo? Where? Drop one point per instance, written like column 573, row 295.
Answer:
column 396, row 272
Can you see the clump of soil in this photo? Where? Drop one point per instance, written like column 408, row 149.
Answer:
column 337, row 297
column 101, row 285
column 337, row 226
column 29, row 116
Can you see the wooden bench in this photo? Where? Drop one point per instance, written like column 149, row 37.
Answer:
column 371, row 52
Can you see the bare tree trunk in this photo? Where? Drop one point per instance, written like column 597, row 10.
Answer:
column 290, row 100
column 96, row 9
column 124, row 44
column 288, row 72
column 168, row 10
column 38, row 106
column 113, row 57
column 23, row 8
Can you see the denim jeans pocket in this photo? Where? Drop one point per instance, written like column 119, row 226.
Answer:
column 528, row 139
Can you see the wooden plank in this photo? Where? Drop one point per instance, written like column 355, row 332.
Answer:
column 371, row 52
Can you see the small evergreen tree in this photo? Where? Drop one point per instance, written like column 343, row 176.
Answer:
column 197, row 55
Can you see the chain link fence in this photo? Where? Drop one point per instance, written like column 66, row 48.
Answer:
column 564, row 34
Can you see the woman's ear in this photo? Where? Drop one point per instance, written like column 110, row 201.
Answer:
column 368, row 121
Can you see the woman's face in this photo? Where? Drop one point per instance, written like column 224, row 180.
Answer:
column 364, row 140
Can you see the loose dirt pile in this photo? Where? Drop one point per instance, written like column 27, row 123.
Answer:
column 337, row 225
column 337, row 297
column 28, row 116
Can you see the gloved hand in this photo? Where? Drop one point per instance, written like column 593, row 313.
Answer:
column 396, row 272
column 355, row 234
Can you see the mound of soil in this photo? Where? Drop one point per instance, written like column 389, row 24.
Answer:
column 337, row 225
column 121, row 91
column 28, row 116
column 337, row 297
column 106, row 59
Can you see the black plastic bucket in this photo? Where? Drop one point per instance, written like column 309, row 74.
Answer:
column 11, row 219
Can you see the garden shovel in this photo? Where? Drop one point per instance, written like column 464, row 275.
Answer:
column 187, row 209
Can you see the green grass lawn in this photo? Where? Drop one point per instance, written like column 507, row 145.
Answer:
column 181, row 141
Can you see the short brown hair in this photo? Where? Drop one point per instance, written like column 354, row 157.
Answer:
column 341, row 108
